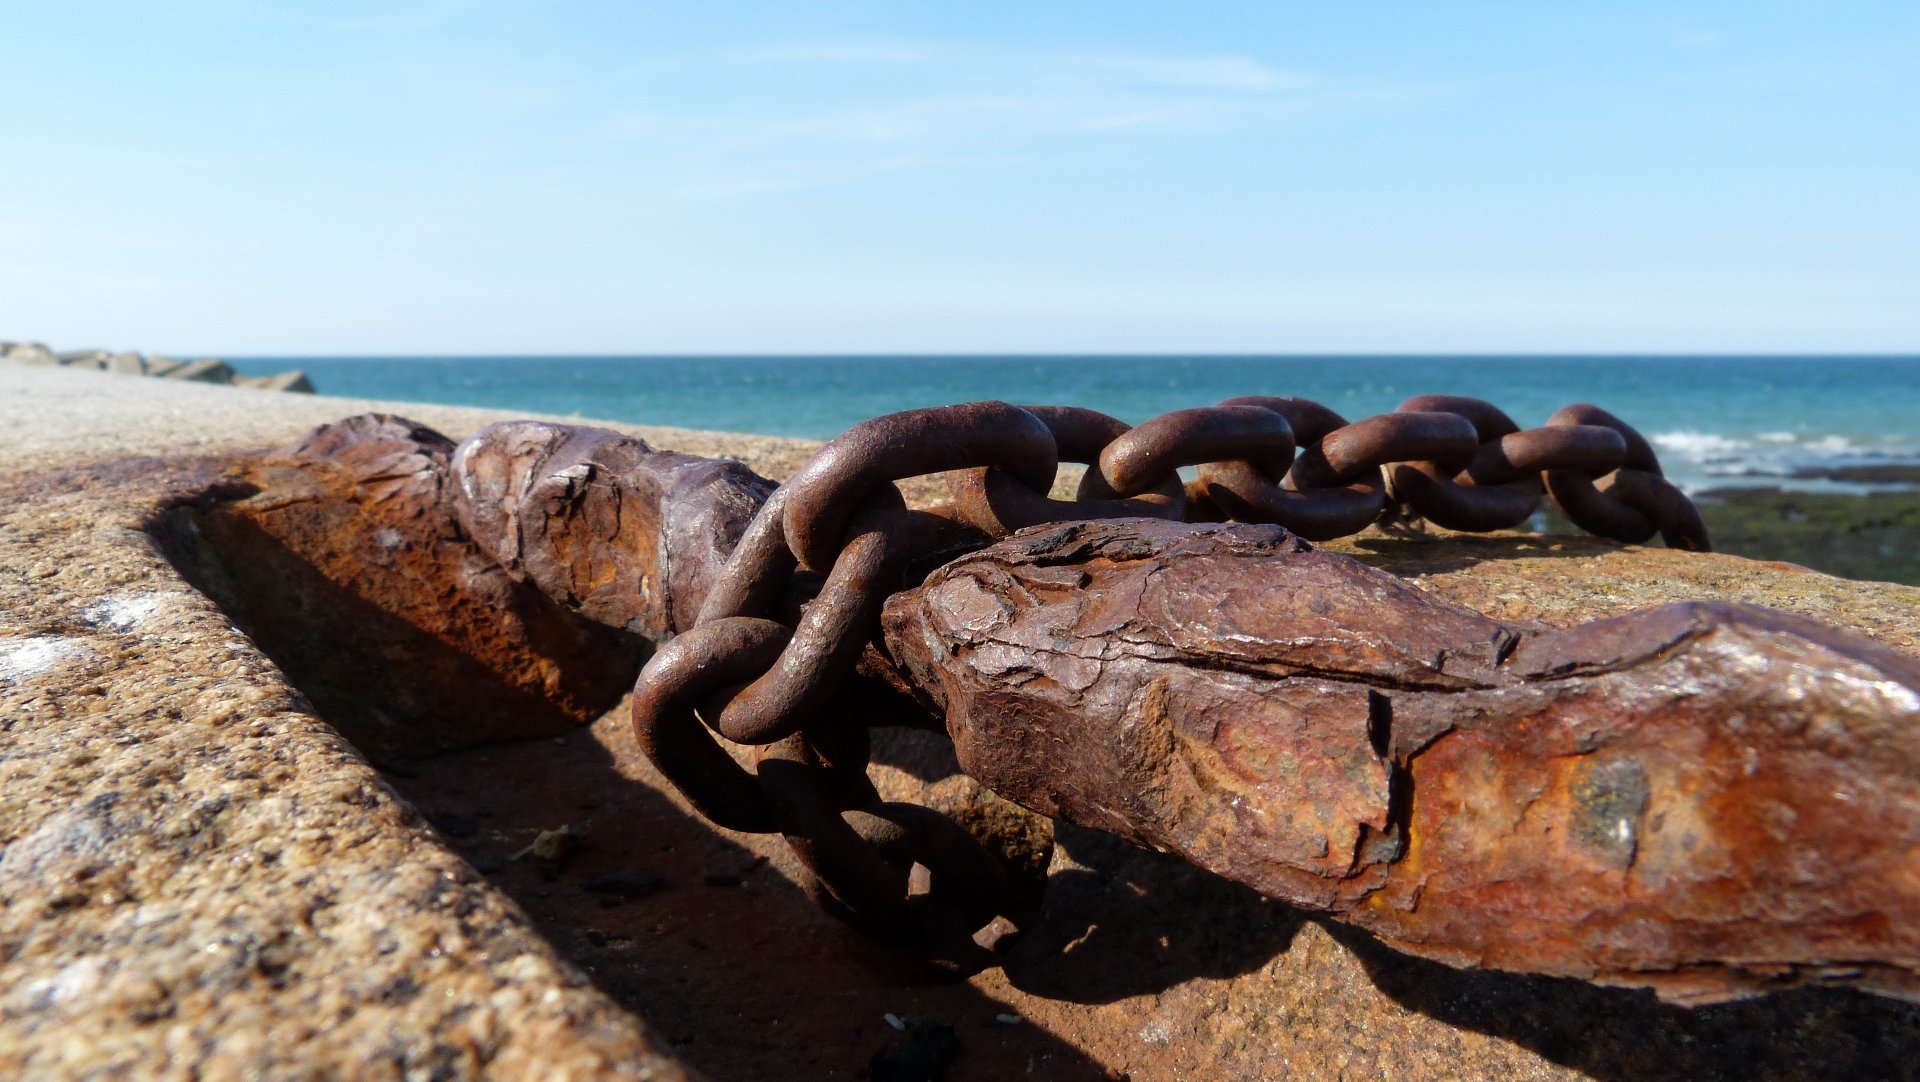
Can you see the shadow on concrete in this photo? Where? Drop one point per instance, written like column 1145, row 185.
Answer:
column 1623, row 1034
column 741, row 974
column 1121, row 921
column 705, row 938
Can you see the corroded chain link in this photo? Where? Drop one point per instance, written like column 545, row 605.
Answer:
column 784, row 626
column 1457, row 462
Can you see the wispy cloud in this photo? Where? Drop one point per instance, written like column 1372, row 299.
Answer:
column 361, row 17
column 990, row 115
column 884, row 104
column 1215, row 72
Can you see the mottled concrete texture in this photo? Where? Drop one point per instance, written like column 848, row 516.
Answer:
column 198, row 877
column 201, row 878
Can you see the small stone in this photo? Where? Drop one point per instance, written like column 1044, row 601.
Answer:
column 553, row 845
column 626, row 882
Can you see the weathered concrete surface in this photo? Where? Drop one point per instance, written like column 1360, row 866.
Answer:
column 1143, row 965
column 198, row 877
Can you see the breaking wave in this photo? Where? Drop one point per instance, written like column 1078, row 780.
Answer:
column 1697, row 459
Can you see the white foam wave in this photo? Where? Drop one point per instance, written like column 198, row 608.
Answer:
column 1833, row 445
column 1693, row 457
column 1703, row 446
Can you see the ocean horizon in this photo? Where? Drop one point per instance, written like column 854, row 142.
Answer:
column 1812, row 422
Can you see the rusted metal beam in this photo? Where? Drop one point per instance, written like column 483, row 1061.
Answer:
column 342, row 555
column 1712, row 800
column 621, row 533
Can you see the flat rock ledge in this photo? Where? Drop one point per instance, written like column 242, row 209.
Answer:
column 200, row 878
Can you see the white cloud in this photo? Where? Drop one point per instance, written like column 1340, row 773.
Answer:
column 1216, row 72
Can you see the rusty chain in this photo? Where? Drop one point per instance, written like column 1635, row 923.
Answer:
column 782, row 629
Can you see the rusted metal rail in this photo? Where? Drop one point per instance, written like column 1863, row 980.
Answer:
column 1708, row 800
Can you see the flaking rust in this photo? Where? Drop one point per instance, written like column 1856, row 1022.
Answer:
column 1711, row 800
column 621, row 533
column 342, row 555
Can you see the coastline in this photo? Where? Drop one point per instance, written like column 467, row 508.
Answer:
column 65, row 417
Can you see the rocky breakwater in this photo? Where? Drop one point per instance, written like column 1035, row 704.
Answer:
column 128, row 363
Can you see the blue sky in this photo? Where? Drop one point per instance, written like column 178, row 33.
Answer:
column 250, row 177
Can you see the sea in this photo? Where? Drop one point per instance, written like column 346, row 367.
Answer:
column 1797, row 422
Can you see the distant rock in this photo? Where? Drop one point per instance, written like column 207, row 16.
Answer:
column 294, row 380
column 30, row 353
column 205, row 370
column 130, row 363
column 1879, row 473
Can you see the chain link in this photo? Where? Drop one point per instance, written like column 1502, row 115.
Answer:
column 782, row 629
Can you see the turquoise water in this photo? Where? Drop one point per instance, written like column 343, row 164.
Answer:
column 1715, row 420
